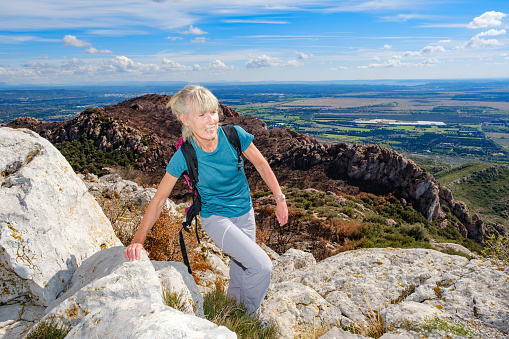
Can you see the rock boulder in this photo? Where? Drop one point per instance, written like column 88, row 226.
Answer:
column 49, row 223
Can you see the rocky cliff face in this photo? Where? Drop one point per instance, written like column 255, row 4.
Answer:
column 146, row 126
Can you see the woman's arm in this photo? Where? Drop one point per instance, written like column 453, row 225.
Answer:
column 133, row 251
column 262, row 166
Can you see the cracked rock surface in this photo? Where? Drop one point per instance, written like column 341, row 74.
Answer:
column 400, row 284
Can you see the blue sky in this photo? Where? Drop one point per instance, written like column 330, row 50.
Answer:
column 76, row 42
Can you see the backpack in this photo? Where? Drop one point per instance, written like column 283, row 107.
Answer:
column 192, row 179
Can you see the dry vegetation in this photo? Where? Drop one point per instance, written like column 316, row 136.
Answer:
column 162, row 243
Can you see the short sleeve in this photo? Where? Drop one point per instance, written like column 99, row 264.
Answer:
column 177, row 164
column 245, row 138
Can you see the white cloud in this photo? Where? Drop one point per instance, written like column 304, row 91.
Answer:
column 14, row 39
column 93, row 50
column 406, row 17
column 68, row 67
column 488, row 19
column 387, row 47
column 94, row 14
column 340, row 68
column 71, row 40
column 478, row 42
column 175, row 66
column 110, row 69
column 397, row 63
column 303, row 56
column 492, row 32
column 264, row 61
column 430, row 62
column 268, row 61
column 426, row 50
column 294, row 63
column 174, row 38
column 199, row 40
column 194, row 31
column 124, row 64
column 218, row 65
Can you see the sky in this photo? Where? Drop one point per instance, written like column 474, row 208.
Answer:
column 79, row 42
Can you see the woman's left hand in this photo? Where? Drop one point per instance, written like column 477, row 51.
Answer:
column 282, row 212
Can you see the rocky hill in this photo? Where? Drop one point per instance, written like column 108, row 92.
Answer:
column 60, row 259
column 146, row 127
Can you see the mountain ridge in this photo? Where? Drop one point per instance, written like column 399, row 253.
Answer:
column 145, row 126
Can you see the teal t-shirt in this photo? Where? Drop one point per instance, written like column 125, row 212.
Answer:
column 223, row 188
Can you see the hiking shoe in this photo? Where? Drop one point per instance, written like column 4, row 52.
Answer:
column 264, row 324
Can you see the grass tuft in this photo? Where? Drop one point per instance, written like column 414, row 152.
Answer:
column 175, row 300
column 223, row 311
column 373, row 326
column 51, row 328
column 437, row 323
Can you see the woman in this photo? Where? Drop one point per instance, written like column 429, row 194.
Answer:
column 226, row 213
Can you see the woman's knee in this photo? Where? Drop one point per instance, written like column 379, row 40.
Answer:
column 266, row 265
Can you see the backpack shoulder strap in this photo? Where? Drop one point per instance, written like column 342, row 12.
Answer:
column 191, row 161
column 194, row 209
column 233, row 138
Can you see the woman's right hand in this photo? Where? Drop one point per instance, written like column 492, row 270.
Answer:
column 133, row 251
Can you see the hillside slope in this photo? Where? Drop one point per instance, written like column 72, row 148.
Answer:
column 483, row 187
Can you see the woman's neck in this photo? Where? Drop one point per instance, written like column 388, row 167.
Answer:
column 206, row 145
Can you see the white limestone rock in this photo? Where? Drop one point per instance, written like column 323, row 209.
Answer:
column 103, row 279
column 337, row 333
column 175, row 278
column 111, row 297
column 286, row 265
column 409, row 311
column 401, row 284
column 295, row 308
column 16, row 319
column 138, row 319
column 126, row 190
column 49, row 223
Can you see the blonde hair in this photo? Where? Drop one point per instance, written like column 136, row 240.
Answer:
column 193, row 99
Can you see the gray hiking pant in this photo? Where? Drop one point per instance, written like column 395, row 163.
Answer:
column 250, row 266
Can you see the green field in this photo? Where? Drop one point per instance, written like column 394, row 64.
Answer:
column 466, row 133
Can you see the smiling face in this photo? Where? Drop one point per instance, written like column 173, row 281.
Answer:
column 199, row 111
column 203, row 125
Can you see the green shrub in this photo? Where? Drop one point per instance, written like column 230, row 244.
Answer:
column 416, row 231
column 497, row 249
column 348, row 211
column 260, row 194
column 379, row 236
column 51, row 328
column 376, row 219
column 82, row 155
